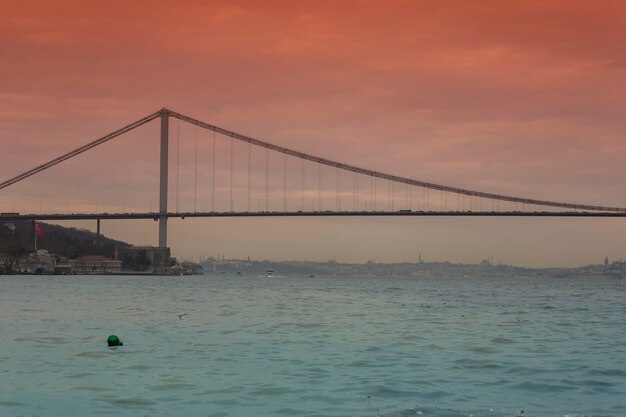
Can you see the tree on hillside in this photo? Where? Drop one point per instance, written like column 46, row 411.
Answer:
column 18, row 238
column 10, row 246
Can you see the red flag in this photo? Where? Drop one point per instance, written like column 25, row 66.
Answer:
column 38, row 230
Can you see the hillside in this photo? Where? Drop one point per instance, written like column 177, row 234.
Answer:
column 18, row 238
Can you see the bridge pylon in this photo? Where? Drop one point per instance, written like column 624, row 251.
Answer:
column 165, row 114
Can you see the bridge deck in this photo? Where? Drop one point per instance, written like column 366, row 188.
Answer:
column 155, row 216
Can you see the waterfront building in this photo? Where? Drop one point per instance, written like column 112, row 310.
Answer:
column 95, row 264
column 37, row 262
column 159, row 259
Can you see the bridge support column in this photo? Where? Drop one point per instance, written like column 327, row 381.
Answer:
column 164, row 178
column 98, row 227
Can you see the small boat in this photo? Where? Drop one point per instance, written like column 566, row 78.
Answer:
column 269, row 273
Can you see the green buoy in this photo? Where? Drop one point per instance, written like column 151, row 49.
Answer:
column 113, row 340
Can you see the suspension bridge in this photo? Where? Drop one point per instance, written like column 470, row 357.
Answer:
column 355, row 191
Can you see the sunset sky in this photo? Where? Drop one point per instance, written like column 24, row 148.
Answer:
column 514, row 97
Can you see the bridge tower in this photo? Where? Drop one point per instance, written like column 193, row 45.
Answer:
column 164, row 178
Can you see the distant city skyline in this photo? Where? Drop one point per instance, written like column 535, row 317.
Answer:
column 516, row 98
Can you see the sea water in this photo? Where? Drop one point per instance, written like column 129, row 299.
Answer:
column 299, row 346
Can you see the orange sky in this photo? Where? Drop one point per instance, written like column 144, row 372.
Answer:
column 508, row 97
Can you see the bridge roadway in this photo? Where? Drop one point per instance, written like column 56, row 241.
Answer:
column 6, row 217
